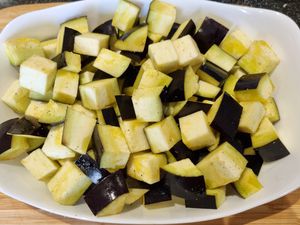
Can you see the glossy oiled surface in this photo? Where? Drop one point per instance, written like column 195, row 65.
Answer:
column 286, row 210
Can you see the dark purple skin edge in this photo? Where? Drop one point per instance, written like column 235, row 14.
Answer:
column 248, row 82
column 110, row 116
column 175, row 91
column 5, row 140
column 203, row 202
column 60, row 60
column 126, row 107
column 181, row 151
column 98, row 148
column 273, row 151
column 69, row 39
column 130, row 32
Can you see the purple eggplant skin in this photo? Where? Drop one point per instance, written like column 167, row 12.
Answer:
column 236, row 143
column 202, row 201
column 248, row 82
column 181, row 151
column 228, row 116
column 211, row 32
column 173, row 30
column 86, row 59
column 105, row 28
column 192, row 107
column 255, row 163
column 60, row 60
column 5, row 139
column 98, row 147
column 175, row 91
column 138, row 57
column 125, row 106
column 106, row 191
column 189, row 29
column 130, row 75
column 159, row 192
column 273, row 151
column 69, row 39
column 24, row 126
column 110, row 116
column 185, row 187
column 214, row 71
column 244, row 139
column 91, row 169
column 133, row 183
column 101, row 75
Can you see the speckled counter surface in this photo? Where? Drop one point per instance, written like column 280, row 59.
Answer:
column 289, row 7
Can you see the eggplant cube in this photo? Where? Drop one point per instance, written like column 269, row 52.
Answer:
column 187, row 51
column 65, row 86
column 195, row 131
column 164, row 56
column 271, row 109
column 222, row 166
column 125, row 16
column 253, row 113
column 163, row 135
column 68, row 184
column 90, row 43
column 49, row 47
column 219, row 194
column 78, row 130
column 135, row 136
column 99, row 94
column 152, row 78
column 39, row 165
column 111, row 62
column 146, row 166
column 260, row 58
column 18, row 145
column 115, row 149
column 37, row 74
column 161, row 17
column 207, row 90
column 53, row 147
column 273, row 151
column 147, row 104
column 183, row 168
column 248, row 184
column 236, row 43
column 86, row 77
column 16, row 97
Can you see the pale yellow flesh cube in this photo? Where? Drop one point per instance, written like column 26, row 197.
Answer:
column 54, row 112
column 115, row 207
column 248, row 184
column 195, row 131
column 53, row 147
column 207, row 90
column 49, row 48
column 260, row 58
column 73, row 62
column 154, row 78
column 133, row 131
column 39, row 165
column 229, row 84
column 183, row 168
column 188, row 51
column 65, row 86
column 173, row 108
column 134, row 195
column 222, row 166
column 265, row 134
column 164, row 56
column 16, row 97
column 99, row 94
column 90, row 43
column 219, row 193
column 19, row 145
column 111, row 62
column 37, row 74
column 252, row 114
column 115, row 149
column 191, row 85
column 68, row 184
column 146, row 166
column 147, row 104
column 163, row 135
column 36, row 96
column 35, row 109
column 86, row 77
column 236, row 43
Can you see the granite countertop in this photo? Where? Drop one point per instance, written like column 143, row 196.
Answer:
column 288, row 7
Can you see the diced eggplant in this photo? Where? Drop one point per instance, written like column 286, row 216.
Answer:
column 272, row 151
column 271, row 109
column 155, row 37
column 101, row 75
column 147, row 104
column 152, row 78
column 224, row 115
column 182, row 168
column 110, row 117
column 20, row 49
column 159, row 192
column 5, row 139
column 207, row 90
column 111, row 62
column 136, row 184
column 86, row 61
column 49, row 47
column 39, row 97
column 68, row 61
column 248, row 184
column 255, row 163
column 174, row 28
column 212, row 74
column 220, row 58
column 201, row 201
column 69, row 39
column 37, row 74
column 91, row 169
column 173, row 108
column 18, row 146
column 229, row 84
column 192, row 107
column 235, row 142
column 161, row 17
column 125, row 106
column 211, row 32
column 98, row 147
column 53, row 147
column 179, row 151
column 133, row 131
column 78, row 130
column 188, row 27
column 16, row 97
column 134, row 195
column 219, row 194
column 105, row 28
column 163, row 56
column 39, row 165
column 145, row 166
column 163, row 135
column 86, row 77
column 35, row 143
column 125, row 15
column 90, row 43
column 236, row 43
column 68, row 184
column 130, row 75
column 195, row 131
column 222, row 166
column 260, row 58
